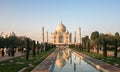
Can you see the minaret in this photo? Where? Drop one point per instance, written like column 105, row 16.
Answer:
column 70, row 38
column 47, row 36
column 74, row 37
column 42, row 34
column 79, row 35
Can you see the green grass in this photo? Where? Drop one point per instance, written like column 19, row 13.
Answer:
column 16, row 65
column 111, row 60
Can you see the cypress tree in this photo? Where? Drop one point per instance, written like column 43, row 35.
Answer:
column 27, row 49
column 37, row 48
column 88, row 47
column 115, row 49
column 104, row 48
column 33, row 48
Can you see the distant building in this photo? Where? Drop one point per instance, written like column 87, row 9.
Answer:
column 61, row 36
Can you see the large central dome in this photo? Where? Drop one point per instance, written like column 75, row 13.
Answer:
column 61, row 28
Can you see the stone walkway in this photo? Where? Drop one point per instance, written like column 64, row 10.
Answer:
column 17, row 54
column 109, row 53
column 46, row 65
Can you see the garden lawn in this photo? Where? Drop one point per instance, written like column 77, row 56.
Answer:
column 16, row 64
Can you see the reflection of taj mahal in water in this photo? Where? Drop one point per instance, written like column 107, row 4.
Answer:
column 61, row 36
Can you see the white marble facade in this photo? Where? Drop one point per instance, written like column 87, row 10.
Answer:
column 60, row 35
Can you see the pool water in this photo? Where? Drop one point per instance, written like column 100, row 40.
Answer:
column 69, row 61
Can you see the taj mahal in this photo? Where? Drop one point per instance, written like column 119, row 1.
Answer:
column 61, row 36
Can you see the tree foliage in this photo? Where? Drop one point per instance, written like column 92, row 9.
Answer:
column 86, row 42
column 13, row 41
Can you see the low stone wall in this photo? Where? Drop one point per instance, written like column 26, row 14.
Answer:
column 98, row 64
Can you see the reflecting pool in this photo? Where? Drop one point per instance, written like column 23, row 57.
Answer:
column 69, row 61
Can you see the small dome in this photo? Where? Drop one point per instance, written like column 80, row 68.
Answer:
column 61, row 28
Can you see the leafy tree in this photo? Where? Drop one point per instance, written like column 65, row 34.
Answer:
column 94, row 35
column 117, row 35
column 95, row 40
column 2, row 42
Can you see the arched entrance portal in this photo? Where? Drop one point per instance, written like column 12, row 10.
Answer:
column 61, row 39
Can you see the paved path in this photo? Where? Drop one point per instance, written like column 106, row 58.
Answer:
column 17, row 54
column 109, row 53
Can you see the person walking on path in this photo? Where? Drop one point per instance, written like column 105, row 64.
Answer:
column 3, row 52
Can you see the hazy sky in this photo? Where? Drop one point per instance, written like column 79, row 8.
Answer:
column 26, row 17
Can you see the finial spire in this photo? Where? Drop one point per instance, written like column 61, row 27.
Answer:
column 61, row 21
